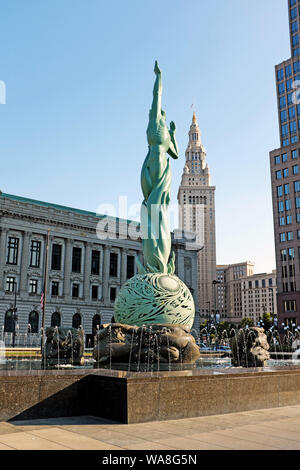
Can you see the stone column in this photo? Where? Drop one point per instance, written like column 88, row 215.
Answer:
column 105, row 289
column 24, row 264
column 3, row 245
column 67, row 266
column 87, row 271
column 124, row 253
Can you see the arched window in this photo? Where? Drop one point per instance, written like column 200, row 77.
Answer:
column 8, row 322
column 76, row 321
column 33, row 321
column 96, row 322
column 55, row 319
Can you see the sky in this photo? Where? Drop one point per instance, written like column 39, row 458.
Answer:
column 79, row 79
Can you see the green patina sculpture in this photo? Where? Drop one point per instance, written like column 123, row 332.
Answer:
column 156, row 182
column 156, row 295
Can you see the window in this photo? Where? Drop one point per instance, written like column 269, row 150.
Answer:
column 75, row 290
column 298, row 234
column 130, row 266
column 10, row 284
column 95, row 268
column 296, row 186
column 281, row 88
column 282, row 102
column 278, row 174
column 297, row 202
column 287, row 189
column 55, row 288
column 96, row 323
column 288, row 205
column 285, row 172
column 55, row 320
column 263, row 283
column 293, row 127
column 295, row 40
column 283, row 116
column 76, row 260
column 293, row 13
column 289, row 84
column 282, row 237
column 294, row 139
column 280, row 206
column 288, row 71
column 285, row 142
column 270, row 282
column 13, row 249
column 295, row 170
column 95, row 292
column 113, row 293
column 294, row 154
column 283, row 254
column 296, row 66
column 290, row 236
column 280, row 75
column 298, row 217
column 35, row 254
column 288, row 220
column 76, row 320
column 284, row 157
column 284, row 130
column 33, row 322
column 56, row 257
column 279, row 190
column 290, row 306
column 282, row 221
column 294, row 26
column 9, row 322
column 291, row 253
column 33, row 284
column 113, row 265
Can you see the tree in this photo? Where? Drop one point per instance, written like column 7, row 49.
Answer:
column 267, row 320
column 246, row 322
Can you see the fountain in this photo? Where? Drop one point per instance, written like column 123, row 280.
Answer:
column 149, row 364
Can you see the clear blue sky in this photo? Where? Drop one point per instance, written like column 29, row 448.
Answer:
column 79, row 77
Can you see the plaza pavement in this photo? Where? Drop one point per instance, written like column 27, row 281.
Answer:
column 271, row 429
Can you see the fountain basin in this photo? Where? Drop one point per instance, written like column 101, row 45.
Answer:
column 133, row 397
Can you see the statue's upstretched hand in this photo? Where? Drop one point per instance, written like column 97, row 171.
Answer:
column 156, row 68
column 172, row 127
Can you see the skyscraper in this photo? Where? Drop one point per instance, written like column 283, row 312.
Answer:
column 196, row 199
column 285, row 179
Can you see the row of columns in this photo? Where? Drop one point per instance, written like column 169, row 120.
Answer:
column 67, row 265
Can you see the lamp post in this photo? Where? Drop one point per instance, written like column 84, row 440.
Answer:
column 208, row 302
column 215, row 297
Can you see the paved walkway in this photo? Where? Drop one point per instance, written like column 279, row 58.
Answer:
column 272, row 429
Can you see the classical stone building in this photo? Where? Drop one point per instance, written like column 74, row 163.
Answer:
column 285, row 177
column 87, row 264
column 196, row 199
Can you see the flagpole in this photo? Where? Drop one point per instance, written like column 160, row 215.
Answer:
column 45, row 289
